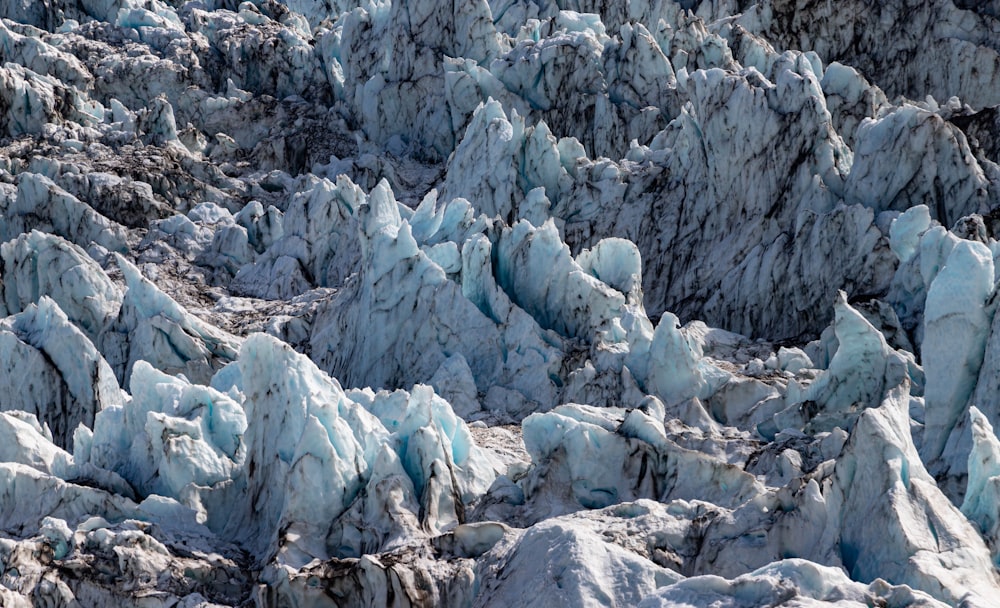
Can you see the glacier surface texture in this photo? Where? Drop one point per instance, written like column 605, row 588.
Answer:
column 492, row 303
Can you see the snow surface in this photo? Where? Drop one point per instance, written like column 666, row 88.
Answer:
column 499, row 303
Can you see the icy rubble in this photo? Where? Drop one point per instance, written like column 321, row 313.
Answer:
column 315, row 302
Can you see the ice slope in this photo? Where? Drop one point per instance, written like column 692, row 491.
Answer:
column 37, row 264
column 393, row 457
column 53, row 371
column 676, row 180
column 979, row 494
column 505, row 302
column 412, row 302
column 792, row 582
column 151, row 326
column 881, row 481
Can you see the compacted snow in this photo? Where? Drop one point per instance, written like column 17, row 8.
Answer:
column 496, row 303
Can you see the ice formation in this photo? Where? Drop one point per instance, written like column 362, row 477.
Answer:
column 499, row 303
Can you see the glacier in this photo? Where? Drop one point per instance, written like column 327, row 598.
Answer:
column 499, row 303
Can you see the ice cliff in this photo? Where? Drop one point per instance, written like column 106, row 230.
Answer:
column 499, row 303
